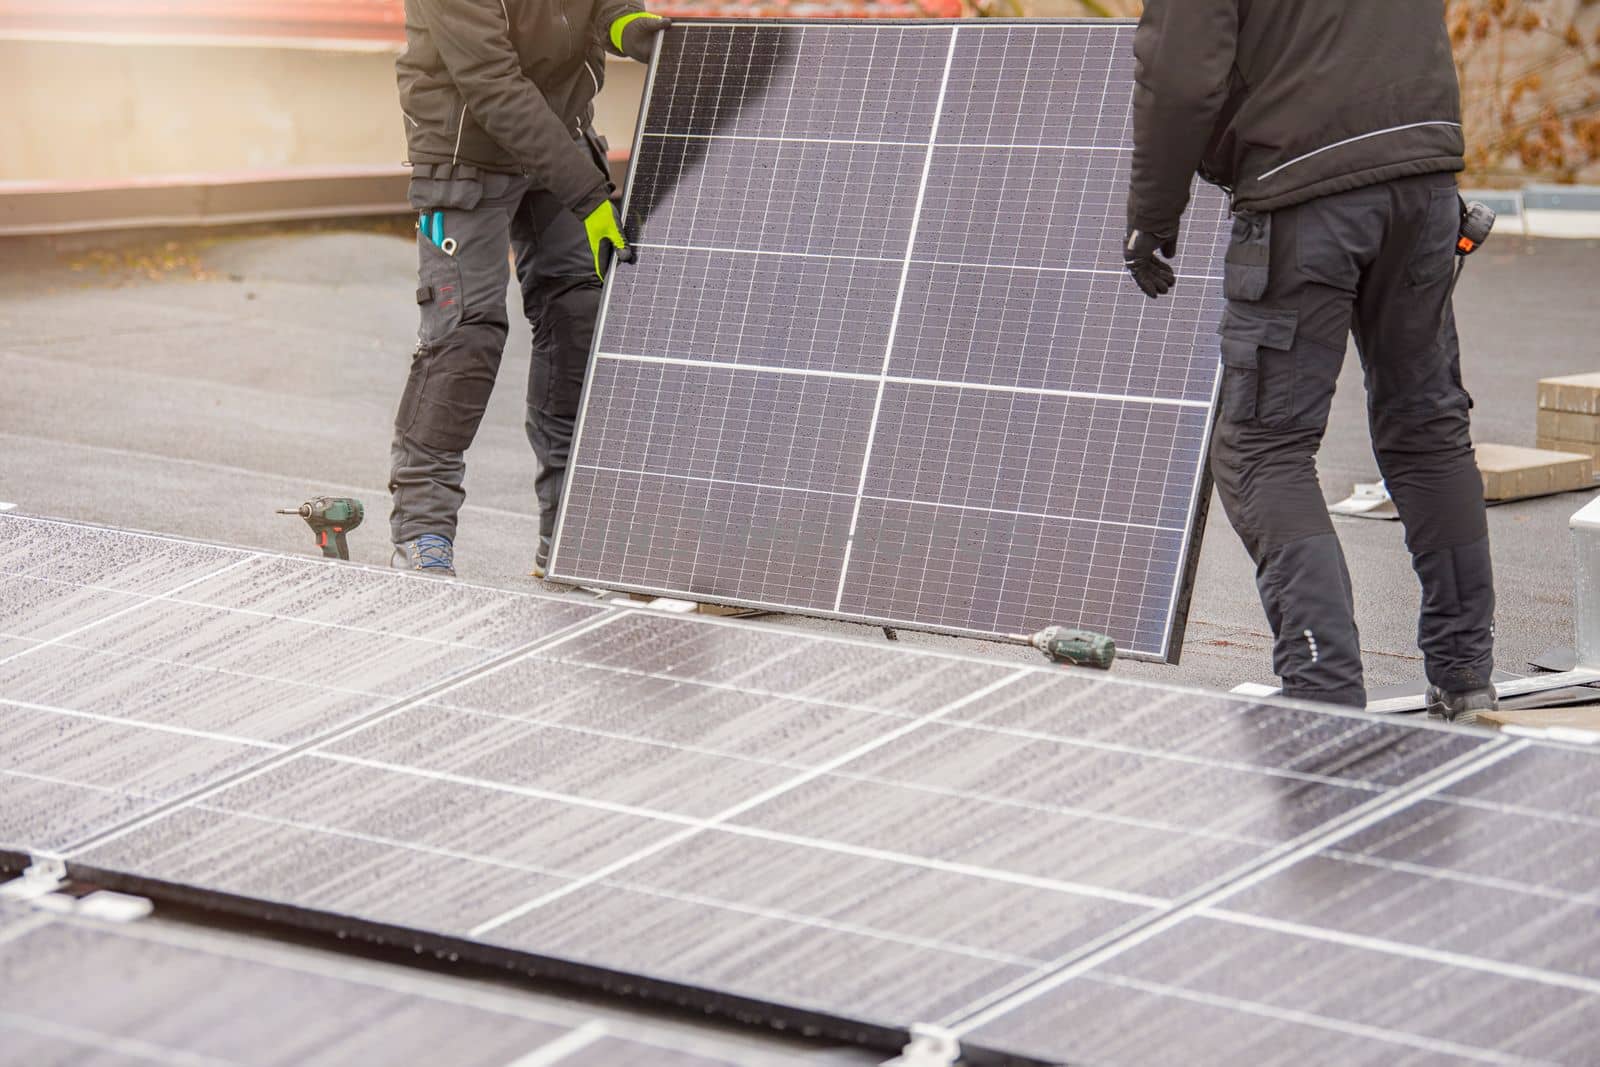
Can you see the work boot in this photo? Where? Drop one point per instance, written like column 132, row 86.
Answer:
column 541, row 558
column 1461, row 708
column 430, row 554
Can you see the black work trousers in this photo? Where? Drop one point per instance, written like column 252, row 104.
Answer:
column 462, row 295
column 1377, row 261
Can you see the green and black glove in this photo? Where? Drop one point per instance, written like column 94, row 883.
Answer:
column 601, row 225
column 634, row 35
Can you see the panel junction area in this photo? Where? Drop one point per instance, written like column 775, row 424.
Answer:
column 878, row 358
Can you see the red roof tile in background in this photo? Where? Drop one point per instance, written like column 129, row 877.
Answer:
column 370, row 19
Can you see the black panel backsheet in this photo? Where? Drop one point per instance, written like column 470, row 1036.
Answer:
column 853, row 836
column 878, row 358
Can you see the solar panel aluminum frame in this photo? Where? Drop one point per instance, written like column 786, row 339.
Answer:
column 573, row 973
column 1198, row 505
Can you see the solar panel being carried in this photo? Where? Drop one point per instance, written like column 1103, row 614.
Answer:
column 878, row 358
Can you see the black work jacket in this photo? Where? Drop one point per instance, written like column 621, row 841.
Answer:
column 509, row 85
column 1283, row 101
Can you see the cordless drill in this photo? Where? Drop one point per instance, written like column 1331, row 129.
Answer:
column 1075, row 648
column 336, row 515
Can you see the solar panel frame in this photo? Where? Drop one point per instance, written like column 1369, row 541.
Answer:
column 398, row 1005
column 1198, row 503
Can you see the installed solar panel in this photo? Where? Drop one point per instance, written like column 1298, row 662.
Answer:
column 859, row 837
column 81, row 992
column 1458, row 927
column 878, row 358
column 185, row 664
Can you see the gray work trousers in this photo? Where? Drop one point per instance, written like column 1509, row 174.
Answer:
column 462, row 297
column 1377, row 261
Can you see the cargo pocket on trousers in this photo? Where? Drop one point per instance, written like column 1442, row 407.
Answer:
column 438, row 292
column 1434, row 255
column 1257, row 364
column 1247, row 266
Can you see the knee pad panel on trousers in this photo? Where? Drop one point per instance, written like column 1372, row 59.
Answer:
column 449, row 387
column 563, row 338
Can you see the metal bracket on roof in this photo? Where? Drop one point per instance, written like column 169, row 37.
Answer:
column 41, row 883
column 44, row 876
column 930, row 1046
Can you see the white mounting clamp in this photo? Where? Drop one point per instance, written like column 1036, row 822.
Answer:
column 673, row 605
column 42, row 877
column 930, row 1046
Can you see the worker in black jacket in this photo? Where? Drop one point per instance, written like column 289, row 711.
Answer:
column 498, row 102
column 1336, row 127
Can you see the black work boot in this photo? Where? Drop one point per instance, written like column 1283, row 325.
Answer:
column 1460, row 707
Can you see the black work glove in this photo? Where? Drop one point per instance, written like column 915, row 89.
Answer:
column 635, row 34
column 1155, row 276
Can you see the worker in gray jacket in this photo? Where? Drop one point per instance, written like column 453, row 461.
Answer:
column 498, row 102
column 1336, row 127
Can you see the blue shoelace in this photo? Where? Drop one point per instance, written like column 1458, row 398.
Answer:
column 434, row 552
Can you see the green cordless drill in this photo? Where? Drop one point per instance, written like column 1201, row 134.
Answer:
column 336, row 515
column 1075, row 648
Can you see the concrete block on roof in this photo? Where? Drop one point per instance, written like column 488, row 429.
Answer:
column 1578, row 393
column 1569, row 426
column 1512, row 473
column 1560, row 444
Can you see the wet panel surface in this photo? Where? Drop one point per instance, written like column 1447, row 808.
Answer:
column 1226, row 995
column 74, row 993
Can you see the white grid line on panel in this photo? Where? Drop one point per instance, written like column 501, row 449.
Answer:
column 88, row 787
column 894, row 319
column 1019, row 803
column 1515, row 971
column 234, row 609
column 750, row 803
column 146, row 600
column 401, row 704
column 1504, row 808
column 1482, row 881
column 208, row 668
column 1016, row 513
column 145, row 724
column 643, row 888
column 1027, row 990
column 123, row 1047
column 886, row 143
column 1320, row 1022
column 692, row 825
column 782, row 139
column 899, row 379
column 554, row 1051
column 720, row 250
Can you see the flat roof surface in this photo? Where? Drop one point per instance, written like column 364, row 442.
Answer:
column 140, row 395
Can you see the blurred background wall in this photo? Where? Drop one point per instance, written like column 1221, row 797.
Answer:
column 208, row 109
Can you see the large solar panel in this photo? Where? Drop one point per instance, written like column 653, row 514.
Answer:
column 854, row 837
column 878, row 358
